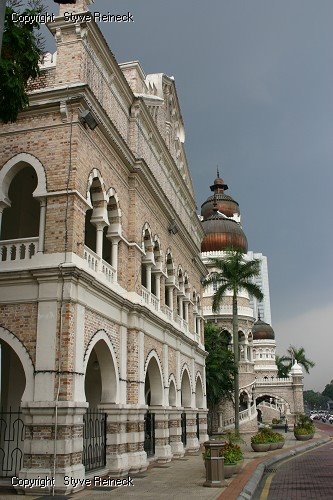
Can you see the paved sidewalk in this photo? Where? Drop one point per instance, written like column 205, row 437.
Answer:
column 183, row 478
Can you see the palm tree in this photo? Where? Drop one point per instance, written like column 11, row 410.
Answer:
column 298, row 354
column 283, row 366
column 234, row 273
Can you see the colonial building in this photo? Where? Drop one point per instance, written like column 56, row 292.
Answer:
column 103, row 360
column 262, row 394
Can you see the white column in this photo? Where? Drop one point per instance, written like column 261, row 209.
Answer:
column 114, row 256
column 42, row 214
column 245, row 352
column 158, row 285
column 148, row 277
column 170, row 292
column 99, row 239
column 198, row 329
column 181, row 307
column 186, row 311
column 1, row 211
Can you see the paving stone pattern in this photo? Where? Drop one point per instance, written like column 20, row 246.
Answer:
column 306, row 477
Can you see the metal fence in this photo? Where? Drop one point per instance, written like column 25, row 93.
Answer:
column 149, row 429
column 11, row 442
column 94, row 440
column 183, row 426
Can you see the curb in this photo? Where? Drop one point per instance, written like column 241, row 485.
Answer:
column 253, row 483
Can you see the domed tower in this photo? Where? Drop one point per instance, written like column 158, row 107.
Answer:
column 223, row 231
column 221, row 221
column 264, row 350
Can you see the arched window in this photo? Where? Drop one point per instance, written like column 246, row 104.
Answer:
column 22, row 208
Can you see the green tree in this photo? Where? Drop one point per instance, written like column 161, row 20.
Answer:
column 298, row 354
column 283, row 366
column 220, row 368
column 315, row 400
column 328, row 391
column 234, row 274
column 21, row 53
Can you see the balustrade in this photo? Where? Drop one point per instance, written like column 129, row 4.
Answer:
column 17, row 250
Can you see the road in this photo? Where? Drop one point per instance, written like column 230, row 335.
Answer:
column 307, row 477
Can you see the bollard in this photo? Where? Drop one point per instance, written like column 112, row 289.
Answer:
column 214, row 463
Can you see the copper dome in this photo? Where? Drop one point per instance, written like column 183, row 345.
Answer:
column 222, row 234
column 223, row 202
column 262, row 331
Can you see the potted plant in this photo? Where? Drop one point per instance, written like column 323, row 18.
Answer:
column 260, row 442
column 275, row 439
column 304, row 428
column 233, row 457
column 280, row 440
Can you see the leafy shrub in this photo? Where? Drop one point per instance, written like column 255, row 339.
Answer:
column 304, row 425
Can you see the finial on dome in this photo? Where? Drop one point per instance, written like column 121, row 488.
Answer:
column 217, row 171
column 259, row 318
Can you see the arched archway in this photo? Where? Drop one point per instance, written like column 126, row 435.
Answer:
column 172, row 393
column 186, row 392
column 199, row 396
column 16, row 357
column 153, row 382
column 101, row 379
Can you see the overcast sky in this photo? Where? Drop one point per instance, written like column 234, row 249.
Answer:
column 255, row 80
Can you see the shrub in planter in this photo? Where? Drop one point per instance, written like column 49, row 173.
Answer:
column 304, row 428
column 276, row 421
column 260, row 442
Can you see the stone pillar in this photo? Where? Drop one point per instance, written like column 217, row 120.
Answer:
column 170, row 292
column 162, row 446
column 192, row 443
column 175, row 432
column 186, row 311
column 203, row 435
column 114, row 256
column 41, row 225
column 99, row 241
column 53, row 443
column 180, row 307
column 148, row 277
column 158, row 286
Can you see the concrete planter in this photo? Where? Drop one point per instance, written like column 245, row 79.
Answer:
column 303, row 437
column 230, row 470
column 260, row 446
column 273, row 446
column 280, row 445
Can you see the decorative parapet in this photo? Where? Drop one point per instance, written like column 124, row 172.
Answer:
column 275, row 381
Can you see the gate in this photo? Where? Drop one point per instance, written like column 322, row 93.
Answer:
column 149, row 429
column 11, row 443
column 198, row 426
column 183, row 426
column 94, row 440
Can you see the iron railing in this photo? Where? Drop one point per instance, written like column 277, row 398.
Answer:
column 11, row 442
column 183, row 426
column 94, row 440
column 149, row 430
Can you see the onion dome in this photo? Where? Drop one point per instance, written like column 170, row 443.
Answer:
column 262, row 331
column 222, row 233
column 223, row 202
